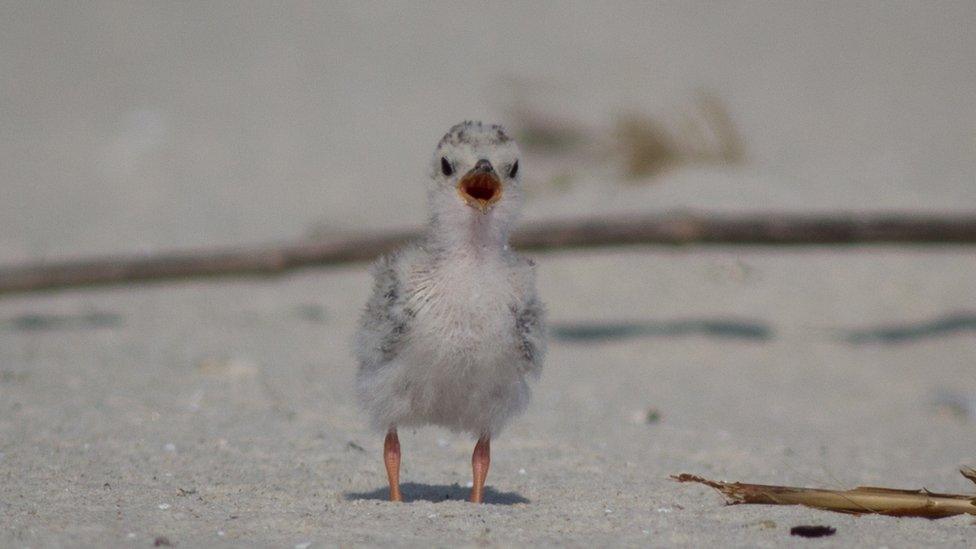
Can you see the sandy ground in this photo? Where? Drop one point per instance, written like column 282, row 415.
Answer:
column 212, row 413
column 221, row 412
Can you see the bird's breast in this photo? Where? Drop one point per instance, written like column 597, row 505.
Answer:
column 462, row 314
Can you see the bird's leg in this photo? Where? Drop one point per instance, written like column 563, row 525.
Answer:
column 391, row 456
column 479, row 466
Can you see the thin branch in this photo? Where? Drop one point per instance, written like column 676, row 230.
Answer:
column 660, row 230
column 861, row 500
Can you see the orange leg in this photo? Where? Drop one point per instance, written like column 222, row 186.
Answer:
column 391, row 456
column 479, row 466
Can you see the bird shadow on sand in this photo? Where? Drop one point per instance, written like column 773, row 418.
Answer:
column 437, row 493
column 943, row 326
column 592, row 332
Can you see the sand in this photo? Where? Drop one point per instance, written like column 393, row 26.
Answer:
column 221, row 413
column 212, row 412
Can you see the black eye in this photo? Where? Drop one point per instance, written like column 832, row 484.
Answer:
column 446, row 168
column 514, row 171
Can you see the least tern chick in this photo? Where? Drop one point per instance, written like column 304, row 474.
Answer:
column 454, row 331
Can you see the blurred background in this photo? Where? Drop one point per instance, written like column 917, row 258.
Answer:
column 132, row 126
column 209, row 410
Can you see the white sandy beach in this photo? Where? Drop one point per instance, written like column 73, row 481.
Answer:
column 221, row 412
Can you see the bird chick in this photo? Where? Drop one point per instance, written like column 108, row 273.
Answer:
column 453, row 331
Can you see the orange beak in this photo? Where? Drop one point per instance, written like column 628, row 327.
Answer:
column 480, row 188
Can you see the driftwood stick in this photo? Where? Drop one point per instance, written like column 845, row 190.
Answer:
column 661, row 230
column 861, row 500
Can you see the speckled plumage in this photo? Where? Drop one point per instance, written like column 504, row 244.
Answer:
column 453, row 331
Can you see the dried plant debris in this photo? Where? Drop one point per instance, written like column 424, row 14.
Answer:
column 861, row 500
column 680, row 229
column 646, row 146
column 810, row 531
column 696, row 129
column 702, row 134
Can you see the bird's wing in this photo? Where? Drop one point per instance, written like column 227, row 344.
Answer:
column 530, row 331
column 384, row 322
column 530, row 317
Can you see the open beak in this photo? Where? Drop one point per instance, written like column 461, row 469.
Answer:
column 480, row 188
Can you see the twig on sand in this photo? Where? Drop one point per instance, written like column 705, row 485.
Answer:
column 685, row 229
column 861, row 500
